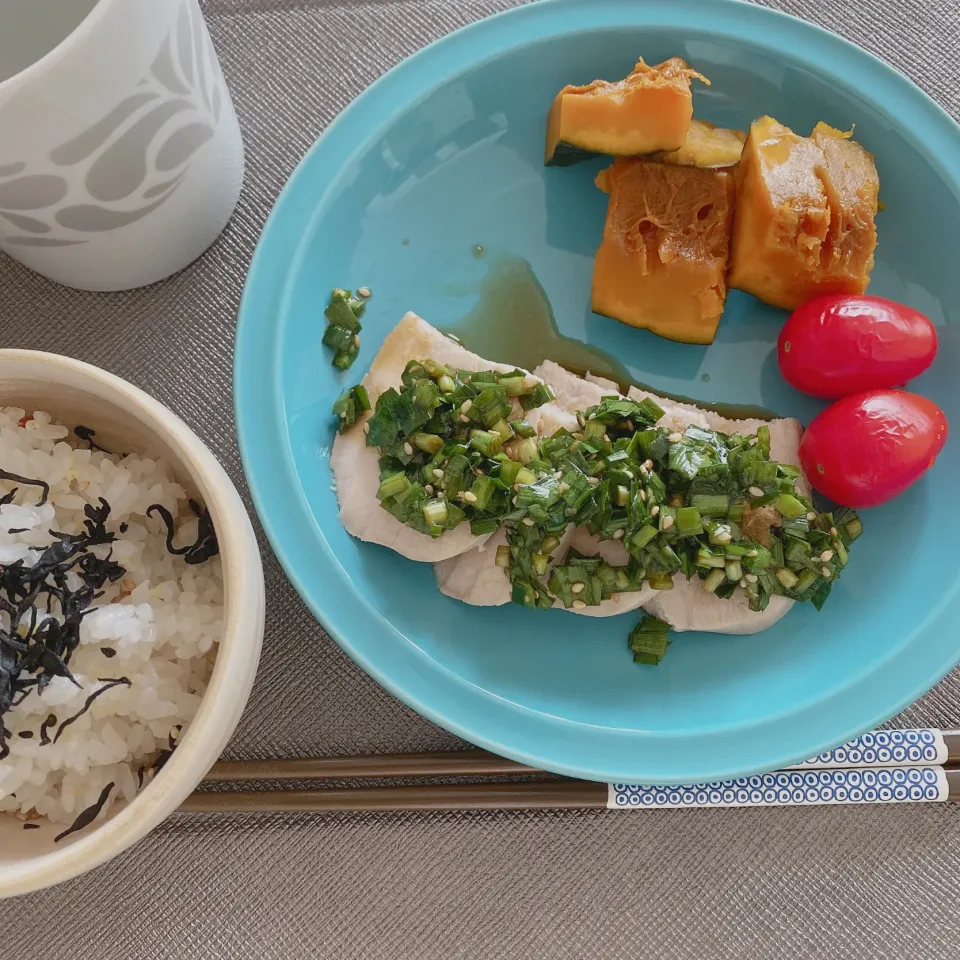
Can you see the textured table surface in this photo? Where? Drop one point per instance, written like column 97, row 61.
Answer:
column 830, row 882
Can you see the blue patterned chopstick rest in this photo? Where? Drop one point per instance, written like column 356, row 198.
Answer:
column 884, row 748
column 792, row 788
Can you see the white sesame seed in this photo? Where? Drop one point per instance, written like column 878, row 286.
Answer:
column 753, row 553
column 723, row 536
column 825, row 571
column 754, row 441
column 516, row 488
column 366, row 427
column 833, row 532
column 593, row 481
column 655, row 509
column 470, row 496
column 466, row 405
column 648, row 464
column 530, row 383
column 562, row 487
column 528, row 521
column 438, row 473
column 618, row 533
column 755, row 492
column 743, row 582
column 675, row 437
column 751, row 578
column 464, row 418
column 826, row 555
column 667, row 523
column 408, row 450
column 363, row 292
column 429, row 489
column 811, row 516
column 582, row 423
column 557, row 474
column 606, row 438
column 441, row 496
column 570, row 512
column 579, row 605
column 615, row 597
column 577, row 588
column 356, row 340
column 515, row 501
column 643, row 495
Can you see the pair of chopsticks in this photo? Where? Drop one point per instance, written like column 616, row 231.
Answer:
column 886, row 766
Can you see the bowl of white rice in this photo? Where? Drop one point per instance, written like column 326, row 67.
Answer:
column 131, row 616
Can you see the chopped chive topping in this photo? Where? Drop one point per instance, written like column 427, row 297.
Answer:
column 342, row 335
column 350, row 406
column 697, row 503
column 649, row 640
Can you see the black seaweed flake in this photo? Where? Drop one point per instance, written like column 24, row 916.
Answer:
column 31, row 826
column 108, row 684
column 108, row 652
column 18, row 530
column 86, row 816
column 25, row 734
column 34, row 650
column 206, row 545
column 8, row 497
column 5, row 475
column 86, row 435
column 124, row 527
column 51, row 721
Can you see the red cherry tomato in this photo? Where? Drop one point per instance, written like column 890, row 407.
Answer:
column 866, row 449
column 836, row 345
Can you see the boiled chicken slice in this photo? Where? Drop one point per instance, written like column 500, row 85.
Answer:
column 614, row 553
column 356, row 466
column 687, row 606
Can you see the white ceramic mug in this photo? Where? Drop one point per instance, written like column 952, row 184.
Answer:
column 121, row 159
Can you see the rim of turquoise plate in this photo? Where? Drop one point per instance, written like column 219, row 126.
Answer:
column 878, row 692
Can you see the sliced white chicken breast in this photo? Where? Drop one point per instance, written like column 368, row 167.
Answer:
column 785, row 432
column 614, row 553
column 474, row 576
column 687, row 606
column 355, row 465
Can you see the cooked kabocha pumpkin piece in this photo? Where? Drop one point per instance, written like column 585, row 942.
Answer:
column 804, row 222
column 849, row 177
column 662, row 262
column 648, row 110
column 706, row 146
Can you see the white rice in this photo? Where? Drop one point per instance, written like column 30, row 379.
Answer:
column 163, row 619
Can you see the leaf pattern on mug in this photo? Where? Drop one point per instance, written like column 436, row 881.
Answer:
column 200, row 45
column 127, row 148
column 87, row 143
column 32, row 192
column 182, row 144
column 120, row 170
column 164, row 70
column 89, row 218
column 185, row 44
column 27, row 224
column 158, row 189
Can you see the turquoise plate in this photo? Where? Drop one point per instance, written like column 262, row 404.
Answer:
column 444, row 153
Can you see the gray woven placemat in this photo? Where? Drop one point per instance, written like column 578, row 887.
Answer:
column 801, row 883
